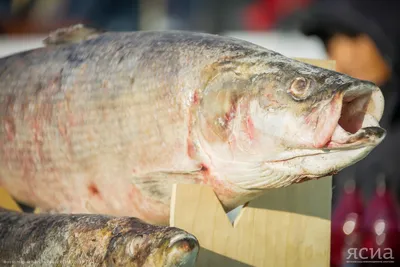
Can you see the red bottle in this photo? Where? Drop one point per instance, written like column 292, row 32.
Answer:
column 381, row 227
column 346, row 224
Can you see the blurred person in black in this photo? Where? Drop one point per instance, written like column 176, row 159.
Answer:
column 362, row 36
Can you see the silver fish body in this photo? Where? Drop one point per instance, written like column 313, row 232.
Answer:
column 108, row 124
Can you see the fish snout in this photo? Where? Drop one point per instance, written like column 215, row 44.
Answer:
column 183, row 250
column 184, row 242
column 372, row 135
column 352, row 116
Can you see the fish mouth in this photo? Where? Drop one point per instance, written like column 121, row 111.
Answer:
column 351, row 119
column 183, row 251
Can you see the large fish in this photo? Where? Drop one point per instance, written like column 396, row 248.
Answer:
column 108, row 122
column 91, row 240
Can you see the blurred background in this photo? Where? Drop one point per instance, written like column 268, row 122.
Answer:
column 361, row 35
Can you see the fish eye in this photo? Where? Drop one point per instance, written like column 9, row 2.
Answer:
column 299, row 87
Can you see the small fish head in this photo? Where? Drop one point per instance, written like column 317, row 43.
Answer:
column 182, row 250
column 170, row 248
column 289, row 122
column 155, row 246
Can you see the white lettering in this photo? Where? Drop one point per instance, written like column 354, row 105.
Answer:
column 388, row 251
column 360, row 253
column 378, row 251
column 350, row 253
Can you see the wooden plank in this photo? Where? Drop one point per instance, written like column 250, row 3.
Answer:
column 7, row 202
column 285, row 227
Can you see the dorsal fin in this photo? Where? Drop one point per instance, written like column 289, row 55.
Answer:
column 72, row 34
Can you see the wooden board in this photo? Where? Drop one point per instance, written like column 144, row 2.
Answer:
column 284, row 227
column 7, row 202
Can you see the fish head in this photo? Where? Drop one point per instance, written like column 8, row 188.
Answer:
column 272, row 121
column 155, row 246
column 182, row 250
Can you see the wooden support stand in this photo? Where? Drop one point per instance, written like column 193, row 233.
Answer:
column 285, row 227
column 7, row 202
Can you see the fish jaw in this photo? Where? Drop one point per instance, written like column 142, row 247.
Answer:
column 312, row 166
